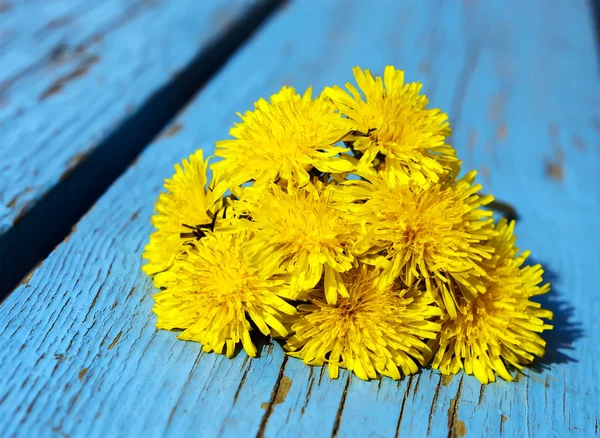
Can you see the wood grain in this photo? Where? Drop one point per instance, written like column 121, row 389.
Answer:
column 119, row 73
column 72, row 72
column 520, row 81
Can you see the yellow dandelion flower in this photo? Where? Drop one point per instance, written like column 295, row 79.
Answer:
column 182, row 213
column 301, row 231
column 393, row 120
column 506, row 264
column 500, row 327
column 283, row 139
column 415, row 233
column 216, row 292
column 372, row 331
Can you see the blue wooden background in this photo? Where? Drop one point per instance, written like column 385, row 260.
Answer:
column 84, row 86
column 79, row 354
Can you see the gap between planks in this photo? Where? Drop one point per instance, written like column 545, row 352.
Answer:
column 51, row 220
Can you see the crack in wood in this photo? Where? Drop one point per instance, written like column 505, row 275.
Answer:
column 248, row 364
column 321, row 375
column 433, row 404
column 456, row 427
column 340, row 411
column 311, row 378
column 417, row 384
column 128, row 16
column 406, row 392
column 183, row 390
column 503, row 419
column 115, row 340
column 33, row 402
column 481, row 392
column 269, row 408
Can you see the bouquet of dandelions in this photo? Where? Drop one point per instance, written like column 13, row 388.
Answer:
column 339, row 224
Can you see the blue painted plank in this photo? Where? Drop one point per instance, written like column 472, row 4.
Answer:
column 79, row 353
column 34, row 32
column 72, row 72
column 111, row 86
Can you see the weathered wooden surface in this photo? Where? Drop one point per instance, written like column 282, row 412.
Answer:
column 79, row 353
column 72, row 71
column 84, row 87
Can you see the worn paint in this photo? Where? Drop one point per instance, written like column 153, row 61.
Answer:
column 205, row 392
column 554, row 170
column 282, row 391
column 170, row 132
column 13, row 202
column 55, row 110
column 82, row 373
column 502, row 132
column 114, row 342
column 554, row 167
column 503, row 419
column 446, row 379
column 61, row 82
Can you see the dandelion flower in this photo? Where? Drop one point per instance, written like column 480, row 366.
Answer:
column 302, row 231
column 283, row 139
column 500, row 327
column 393, row 120
column 216, row 292
column 182, row 213
column 415, row 233
column 372, row 331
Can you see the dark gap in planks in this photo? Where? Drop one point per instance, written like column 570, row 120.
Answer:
column 340, row 410
column 271, row 404
column 48, row 223
column 595, row 6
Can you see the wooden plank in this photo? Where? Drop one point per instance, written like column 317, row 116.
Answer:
column 36, row 32
column 61, row 88
column 79, row 353
column 84, row 86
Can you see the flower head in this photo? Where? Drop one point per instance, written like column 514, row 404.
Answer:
column 216, row 292
column 431, row 234
column 182, row 213
column 498, row 328
column 347, row 232
column 283, row 139
column 372, row 331
column 393, row 120
column 301, row 231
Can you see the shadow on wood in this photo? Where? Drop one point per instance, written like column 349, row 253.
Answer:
column 566, row 331
column 595, row 7
column 36, row 234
